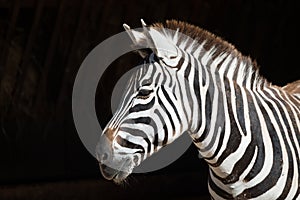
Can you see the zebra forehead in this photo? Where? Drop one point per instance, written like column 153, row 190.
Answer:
column 149, row 74
column 201, row 36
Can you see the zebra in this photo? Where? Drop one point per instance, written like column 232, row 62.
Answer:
column 244, row 127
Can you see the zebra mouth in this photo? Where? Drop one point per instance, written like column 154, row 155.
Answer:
column 113, row 174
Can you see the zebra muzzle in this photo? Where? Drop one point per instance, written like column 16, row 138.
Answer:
column 111, row 173
column 108, row 172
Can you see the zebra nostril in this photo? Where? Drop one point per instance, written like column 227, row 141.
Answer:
column 104, row 156
column 135, row 160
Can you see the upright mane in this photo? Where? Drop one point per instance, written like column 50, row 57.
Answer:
column 209, row 40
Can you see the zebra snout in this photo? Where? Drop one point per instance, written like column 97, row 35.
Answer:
column 104, row 156
column 104, row 149
column 113, row 165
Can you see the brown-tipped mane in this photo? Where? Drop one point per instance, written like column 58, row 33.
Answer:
column 293, row 88
column 202, row 35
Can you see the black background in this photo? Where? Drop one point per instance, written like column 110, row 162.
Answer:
column 43, row 43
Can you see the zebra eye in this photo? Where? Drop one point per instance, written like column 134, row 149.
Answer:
column 144, row 93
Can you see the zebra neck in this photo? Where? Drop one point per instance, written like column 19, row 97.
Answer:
column 217, row 74
column 227, row 103
column 223, row 82
column 231, row 65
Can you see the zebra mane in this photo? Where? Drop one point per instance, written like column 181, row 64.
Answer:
column 209, row 41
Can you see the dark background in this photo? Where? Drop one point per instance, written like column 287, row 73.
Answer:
column 43, row 43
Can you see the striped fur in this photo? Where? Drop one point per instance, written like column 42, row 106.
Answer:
column 245, row 128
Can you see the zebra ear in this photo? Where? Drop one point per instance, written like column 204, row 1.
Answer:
column 162, row 46
column 153, row 39
column 139, row 40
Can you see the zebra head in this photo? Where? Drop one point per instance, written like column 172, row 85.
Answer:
column 151, row 113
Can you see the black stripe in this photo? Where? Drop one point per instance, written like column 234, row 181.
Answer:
column 197, row 94
column 173, row 91
column 180, row 62
column 188, row 92
column 157, row 78
column 164, row 78
column 220, row 117
column 241, row 165
column 290, row 134
column 166, row 111
column 125, row 143
column 148, row 144
column 170, row 102
column 220, row 142
column 208, row 111
column 256, row 133
column 142, row 107
column 170, row 78
column 276, row 168
column 218, row 190
column 297, row 133
column 136, row 132
column 203, row 74
column 142, row 120
column 252, row 80
column 155, row 142
column 240, row 107
column 187, row 71
column 181, row 95
column 165, row 140
column 236, row 70
column 235, row 136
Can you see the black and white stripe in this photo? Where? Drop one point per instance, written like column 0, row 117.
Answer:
column 245, row 128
